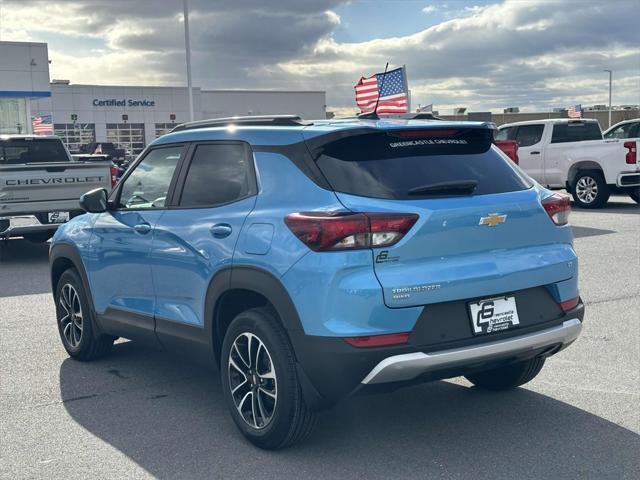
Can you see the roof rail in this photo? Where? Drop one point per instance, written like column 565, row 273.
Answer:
column 252, row 121
column 403, row 116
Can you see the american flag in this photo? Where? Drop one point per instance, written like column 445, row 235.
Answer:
column 388, row 90
column 42, row 125
column 575, row 111
column 425, row 109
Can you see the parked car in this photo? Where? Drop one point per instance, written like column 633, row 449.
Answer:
column 629, row 132
column 311, row 261
column 40, row 185
column 623, row 130
column 572, row 154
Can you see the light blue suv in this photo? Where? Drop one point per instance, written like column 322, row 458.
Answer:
column 311, row 261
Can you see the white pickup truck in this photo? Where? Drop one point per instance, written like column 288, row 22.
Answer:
column 572, row 154
column 40, row 185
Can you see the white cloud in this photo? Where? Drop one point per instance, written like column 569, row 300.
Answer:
column 514, row 53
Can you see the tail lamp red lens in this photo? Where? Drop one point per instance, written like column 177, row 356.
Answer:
column 114, row 176
column 569, row 304
column 632, row 152
column 322, row 231
column 558, row 207
column 378, row 340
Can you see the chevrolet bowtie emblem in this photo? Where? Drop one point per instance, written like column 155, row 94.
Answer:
column 492, row 220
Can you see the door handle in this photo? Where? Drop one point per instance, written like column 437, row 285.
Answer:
column 142, row 228
column 535, row 153
column 221, row 230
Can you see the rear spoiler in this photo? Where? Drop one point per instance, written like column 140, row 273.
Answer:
column 429, row 139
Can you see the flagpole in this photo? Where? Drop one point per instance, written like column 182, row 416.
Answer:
column 406, row 88
column 187, row 46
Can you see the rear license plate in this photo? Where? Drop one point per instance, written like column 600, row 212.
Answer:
column 58, row 217
column 493, row 315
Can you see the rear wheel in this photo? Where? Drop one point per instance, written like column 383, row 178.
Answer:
column 590, row 190
column 260, row 382
column 38, row 237
column 510, row 376
column 75, row 320
column 634, row 193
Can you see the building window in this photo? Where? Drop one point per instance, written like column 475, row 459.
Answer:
column 163, row 128
column 129, row 136
column 13, row 115
column 75, row 135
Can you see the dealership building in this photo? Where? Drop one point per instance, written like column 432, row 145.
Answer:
column 129, row 116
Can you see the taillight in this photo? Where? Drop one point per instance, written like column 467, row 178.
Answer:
column 569, row 304
column 114, row 175
column 349, row 231
column 632, row 153
column 378, row 340
column 558, row 207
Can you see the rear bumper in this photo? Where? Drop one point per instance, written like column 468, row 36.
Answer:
column 23, row 224
column 330, row 369
column 628, row 179
column 409, row 366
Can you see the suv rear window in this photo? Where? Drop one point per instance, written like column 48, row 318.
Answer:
column 18, row 151
column 575, row 132
column 381, row 165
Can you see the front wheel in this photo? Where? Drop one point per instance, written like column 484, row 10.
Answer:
column 507, row 377
column 590, row 190
column 75, row 320
column 260, row 382
column 634, row 193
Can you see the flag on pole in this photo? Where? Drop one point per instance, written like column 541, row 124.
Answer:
column 425, row 109
column 575, row 111
column 42, row 125
column 387, row 91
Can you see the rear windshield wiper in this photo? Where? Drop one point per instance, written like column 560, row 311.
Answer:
column 455, row 187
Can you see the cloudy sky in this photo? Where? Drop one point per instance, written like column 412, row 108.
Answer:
column 485, row 55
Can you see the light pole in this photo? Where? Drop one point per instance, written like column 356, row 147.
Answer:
column 187, row 46
column 610, row 78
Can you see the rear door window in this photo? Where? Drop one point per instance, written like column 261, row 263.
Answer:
column 21, row 151
column 218, row 174
column 575, row 132
column 529, row 135
column 381, row 165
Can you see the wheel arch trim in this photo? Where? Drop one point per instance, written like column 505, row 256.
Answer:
column 253, row 279
column 70, row 253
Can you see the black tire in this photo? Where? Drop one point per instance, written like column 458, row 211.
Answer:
column 38, row 237
column 291, row 420
column 590, row 190
column 510, row 376
column 91, row 345
column 634, row 193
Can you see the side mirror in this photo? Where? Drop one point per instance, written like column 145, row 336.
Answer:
column 94, row 201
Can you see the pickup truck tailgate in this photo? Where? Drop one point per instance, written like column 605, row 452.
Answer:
column 46, row 187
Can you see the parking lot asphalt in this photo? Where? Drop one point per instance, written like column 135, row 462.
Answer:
column 142, row 414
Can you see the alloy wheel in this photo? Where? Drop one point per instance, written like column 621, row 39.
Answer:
column 587, row 189
column 252, row 380
column 71, row 321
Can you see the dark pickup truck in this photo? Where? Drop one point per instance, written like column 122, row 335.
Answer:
column 104, row 148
